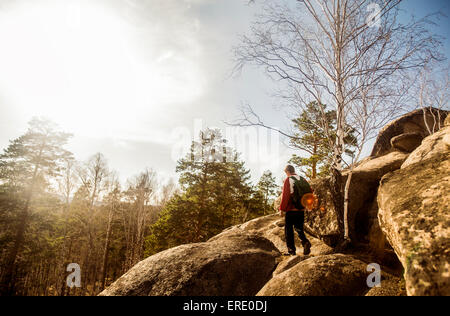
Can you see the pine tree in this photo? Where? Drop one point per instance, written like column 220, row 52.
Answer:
column 216, row 194
column 28, row 161
column 267, row 187
column 139, row 194
column 311, row 137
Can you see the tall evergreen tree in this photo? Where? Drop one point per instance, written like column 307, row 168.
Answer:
column 28, row 160
column 311, row 137
column 267, row 187
column 216, row 194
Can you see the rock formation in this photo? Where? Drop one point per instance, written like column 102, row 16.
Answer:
column 271, row 227
column 235, row 264
column 329, row 275
column 414, row 214
column 392, row 286
column 414, row 123
column 406, row 142
column 362, row 193
column 431, row 146
column 398, row 217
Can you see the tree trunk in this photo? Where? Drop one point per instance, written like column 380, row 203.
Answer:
column 346, row 204
column 314, row 162
column 5, row 286
column 314, row 170
column 106, row 249
column 338, row 198
column 7, row 279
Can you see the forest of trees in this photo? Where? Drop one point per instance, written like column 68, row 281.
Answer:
column 55, row 211
column 343, row 74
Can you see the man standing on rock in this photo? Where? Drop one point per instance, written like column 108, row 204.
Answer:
column 295, row 214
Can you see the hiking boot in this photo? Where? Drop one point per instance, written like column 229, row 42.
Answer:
column 306, row 248
column 289, row 253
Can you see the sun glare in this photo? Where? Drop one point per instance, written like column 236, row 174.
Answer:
column 77, row 65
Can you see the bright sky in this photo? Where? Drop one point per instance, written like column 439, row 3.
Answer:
column 134, row 79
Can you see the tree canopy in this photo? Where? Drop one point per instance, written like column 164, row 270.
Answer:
column 216, row 194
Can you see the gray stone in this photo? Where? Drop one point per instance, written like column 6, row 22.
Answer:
column 414, row 215
column 232, row 265
column 329, row 275
column 392, row 286
column 407, row 142
column 432, row 145
column 323, row 223
column 289, row 262
column 272, row 228
column 413, row 122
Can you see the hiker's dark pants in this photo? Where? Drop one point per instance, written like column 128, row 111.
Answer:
column 294, row 220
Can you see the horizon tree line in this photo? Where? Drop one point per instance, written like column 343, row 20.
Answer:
column 55, row 211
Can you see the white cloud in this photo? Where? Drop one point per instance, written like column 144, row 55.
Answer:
column 96, row 73
column 122, row 75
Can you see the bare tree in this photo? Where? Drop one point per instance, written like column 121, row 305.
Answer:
column 93, row 177
column 335, row 53
column 112, row 202
column 66, row 185
column 68, row 181
column 141, row 190
column 431, row 90
column 167, row 191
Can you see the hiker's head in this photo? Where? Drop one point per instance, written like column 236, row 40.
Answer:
column 290, row 170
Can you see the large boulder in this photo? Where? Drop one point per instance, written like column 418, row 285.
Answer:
column 271, row 227
column 390, row 286
column 289, row 262
column 447, row 121
column 414, row 215
column 232, row 265
column 415, row 122
column 434, row 144
column 323, row 222
column 329, row 275
column 406, row 142
column 363, row 190
column 375, row 237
